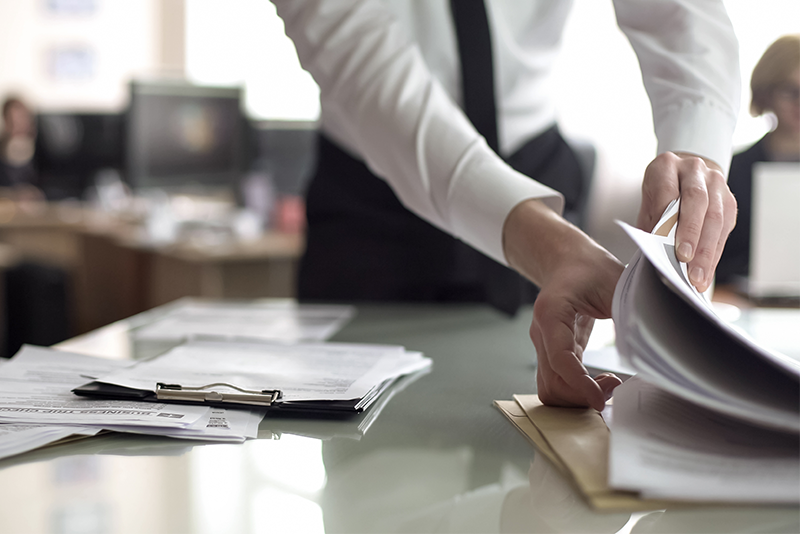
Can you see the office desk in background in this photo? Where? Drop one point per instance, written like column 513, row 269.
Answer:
column 439, row 457
column 115, row 273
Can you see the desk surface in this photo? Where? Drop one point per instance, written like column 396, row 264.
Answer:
column 438, row 458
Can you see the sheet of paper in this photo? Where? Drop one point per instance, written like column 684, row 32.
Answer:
column 35, row 387
column 287, row 321
column 41, row 365
column 321, row 371
column 657, row 251
column 18, row 438
column 679, row 343
column 220, row 424
column 665, row 447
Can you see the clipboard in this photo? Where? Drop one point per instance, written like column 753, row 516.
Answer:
column 329, row 378
column 212, row 395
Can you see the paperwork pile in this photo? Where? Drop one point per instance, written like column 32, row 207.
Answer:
column 216, row 390
column 37, row 406
column 312, row 377
column 710, row 416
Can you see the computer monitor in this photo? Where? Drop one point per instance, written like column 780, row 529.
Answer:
column 775, row 232
column 71, row 148
column 183, row 137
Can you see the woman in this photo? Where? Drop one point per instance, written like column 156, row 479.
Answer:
column 775, row 85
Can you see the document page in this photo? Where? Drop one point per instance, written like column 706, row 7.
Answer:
column 35, row 387
column 657, row 253
column 665, row 447
column 41, row 367
column 219, row 424
column 673, row 338
column 288, row 321
column 18, row 438
column 321, row 371
column 37, row 407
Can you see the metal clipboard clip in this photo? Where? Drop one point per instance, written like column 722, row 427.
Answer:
column 265, row 397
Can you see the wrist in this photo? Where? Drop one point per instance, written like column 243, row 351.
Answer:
column 538, row 242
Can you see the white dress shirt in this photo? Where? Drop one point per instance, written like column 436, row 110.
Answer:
column 389, row 76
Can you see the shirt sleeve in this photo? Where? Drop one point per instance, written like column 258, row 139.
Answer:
column 689, row 58
column 377, row 92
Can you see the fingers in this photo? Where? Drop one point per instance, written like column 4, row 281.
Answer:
column 694, row 209
column 554, row 390
column 707, row 215
column 658, row 192
column 608, row 382
column 561, row 377
column 577, row 279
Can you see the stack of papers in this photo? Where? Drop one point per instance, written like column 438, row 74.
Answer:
column 335, row 377
column 37, row 406
column 218, row 385
column 710, row 415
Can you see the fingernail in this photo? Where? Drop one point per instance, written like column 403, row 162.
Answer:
column 697, row 275
column 685, row 250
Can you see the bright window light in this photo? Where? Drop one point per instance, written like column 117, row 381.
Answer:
column 242, row 42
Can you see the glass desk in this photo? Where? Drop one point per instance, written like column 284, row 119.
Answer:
column 438, row 458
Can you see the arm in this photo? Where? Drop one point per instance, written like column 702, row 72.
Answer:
column 380, row 98
column 689, row 59
column 577, row 279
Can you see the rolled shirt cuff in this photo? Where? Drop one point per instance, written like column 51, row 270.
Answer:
column 487, row 190
column 699, row 128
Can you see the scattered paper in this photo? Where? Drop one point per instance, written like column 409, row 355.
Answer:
column 272, row 321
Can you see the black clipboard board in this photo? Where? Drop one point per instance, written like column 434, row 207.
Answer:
column 244, row 399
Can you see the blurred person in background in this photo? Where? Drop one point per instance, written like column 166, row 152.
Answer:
column 775, row 86
column 17, row 147
column 17, row 141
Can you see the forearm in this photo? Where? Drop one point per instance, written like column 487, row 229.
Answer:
column 577, row 278
column 540, row 244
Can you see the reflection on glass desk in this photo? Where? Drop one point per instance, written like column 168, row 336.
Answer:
column 438, row 458
column 776, row 328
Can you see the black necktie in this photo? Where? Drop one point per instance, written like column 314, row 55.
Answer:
column 477, row 73
column 503, row 287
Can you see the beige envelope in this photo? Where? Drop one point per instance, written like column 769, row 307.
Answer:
column 575, row 440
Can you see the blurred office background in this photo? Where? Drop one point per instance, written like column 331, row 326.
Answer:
column 214, row 206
